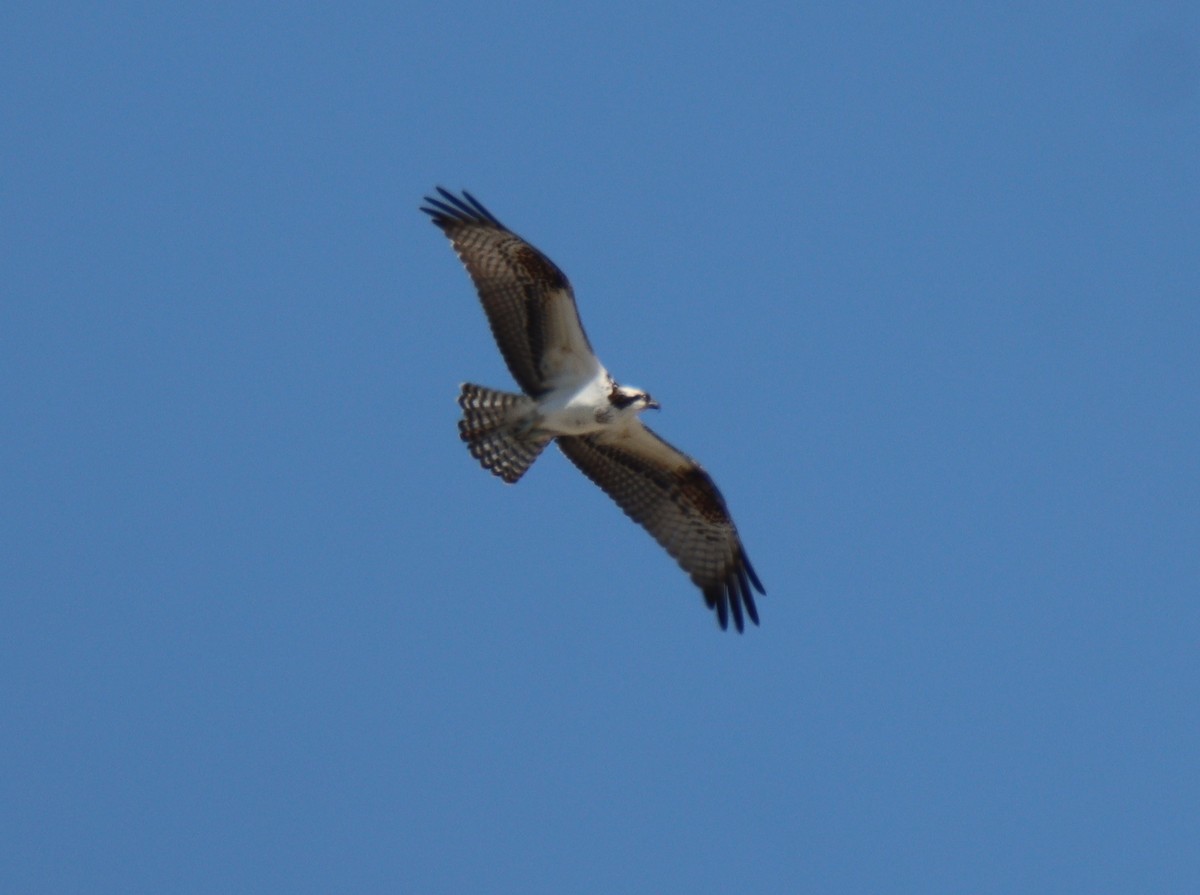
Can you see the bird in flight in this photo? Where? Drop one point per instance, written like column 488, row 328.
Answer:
column 570, row 398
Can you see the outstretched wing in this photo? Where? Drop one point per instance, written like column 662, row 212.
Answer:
column 528, row 301
column 672, row 497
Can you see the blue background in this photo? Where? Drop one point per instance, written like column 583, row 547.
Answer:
column 918, row 283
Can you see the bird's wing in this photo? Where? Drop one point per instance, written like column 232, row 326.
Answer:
column 672, row 497
column 529, row 303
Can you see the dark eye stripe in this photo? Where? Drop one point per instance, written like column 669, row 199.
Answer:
column 621, row 400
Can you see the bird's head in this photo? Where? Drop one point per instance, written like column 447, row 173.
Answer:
column 626, row 397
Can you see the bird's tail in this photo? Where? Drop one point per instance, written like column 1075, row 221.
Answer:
column 493, row 428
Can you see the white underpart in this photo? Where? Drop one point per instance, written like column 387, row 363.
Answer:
column 572, row 405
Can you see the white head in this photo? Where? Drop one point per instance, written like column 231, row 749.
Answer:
column 626, row 397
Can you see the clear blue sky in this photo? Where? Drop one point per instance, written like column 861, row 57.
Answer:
column 918, row 283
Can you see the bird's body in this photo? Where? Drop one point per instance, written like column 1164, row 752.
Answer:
column 569, row 397
column 573, row 407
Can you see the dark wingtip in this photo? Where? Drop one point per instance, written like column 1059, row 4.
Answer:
column 435, row 208
column 735, row 604
column 725, row 601
column 451, row 208
column 715, row 598
column 748, row 595
column 749, row 570
column 735, row 597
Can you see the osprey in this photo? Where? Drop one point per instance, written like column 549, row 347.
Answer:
column 570, row 398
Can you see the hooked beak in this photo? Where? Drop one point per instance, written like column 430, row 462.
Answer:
column 651, row 404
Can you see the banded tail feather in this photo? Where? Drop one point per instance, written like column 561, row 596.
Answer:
column 492, row 428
